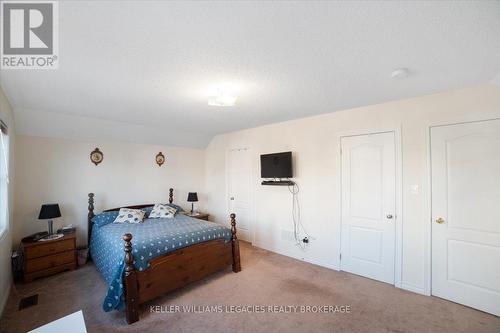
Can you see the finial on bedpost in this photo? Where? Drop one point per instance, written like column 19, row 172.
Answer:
column 235, row 243
column 130, row 283
column 129, row 258
column 233, row 226
column 171, row 195
column 90, row 216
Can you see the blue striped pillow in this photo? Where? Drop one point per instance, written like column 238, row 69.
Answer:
column 147, row 211
column 104, row 218
column 178, row 208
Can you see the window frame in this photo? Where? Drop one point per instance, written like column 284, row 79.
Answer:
column 4, row 177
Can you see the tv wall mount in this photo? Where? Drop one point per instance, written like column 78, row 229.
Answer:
column 287, row 182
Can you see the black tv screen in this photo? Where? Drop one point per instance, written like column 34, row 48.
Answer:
column 277, row 165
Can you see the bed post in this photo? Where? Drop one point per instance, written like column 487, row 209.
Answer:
column 90, row 216
column 130, row 283
column 171, row 195
column 235, row 245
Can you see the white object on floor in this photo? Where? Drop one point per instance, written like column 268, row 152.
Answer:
column 368, row 206
column 73, row 323
column 465, row 215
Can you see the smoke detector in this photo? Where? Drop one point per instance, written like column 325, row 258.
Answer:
column 400, row 73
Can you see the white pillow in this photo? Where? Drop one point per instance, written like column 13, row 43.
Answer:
column 127, row 215
column 162, row 211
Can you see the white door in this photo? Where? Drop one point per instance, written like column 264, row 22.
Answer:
column 369, row 206
column 239, row 175
column 466, row 214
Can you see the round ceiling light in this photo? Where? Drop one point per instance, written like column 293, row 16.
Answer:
column 400, row 73
column 222, row 94
column 222, row 99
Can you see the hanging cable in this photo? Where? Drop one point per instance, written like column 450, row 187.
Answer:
column 298, row 228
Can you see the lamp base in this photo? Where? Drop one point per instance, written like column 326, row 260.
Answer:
column 192, row 213
column 51, row 231
column 51, row 237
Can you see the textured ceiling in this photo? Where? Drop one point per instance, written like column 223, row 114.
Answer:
column 139, row 70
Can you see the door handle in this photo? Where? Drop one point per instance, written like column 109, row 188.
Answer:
column 389, row 216
column 440, row 220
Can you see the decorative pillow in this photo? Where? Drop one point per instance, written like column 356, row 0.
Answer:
column 127, row 215
column 162, row 211
column 147, row 211
column 177, row 208
column 104, row 218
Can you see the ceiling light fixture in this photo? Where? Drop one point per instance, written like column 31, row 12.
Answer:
column 221, row 98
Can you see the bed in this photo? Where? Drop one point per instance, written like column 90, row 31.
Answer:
column 143, row 261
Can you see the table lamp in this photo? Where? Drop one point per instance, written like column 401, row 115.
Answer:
column 192, row 198
column 49, row 212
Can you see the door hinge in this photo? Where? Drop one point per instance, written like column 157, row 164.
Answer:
column 341, row 256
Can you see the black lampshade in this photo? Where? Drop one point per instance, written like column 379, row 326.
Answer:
column 192, row 197
column 49, row 211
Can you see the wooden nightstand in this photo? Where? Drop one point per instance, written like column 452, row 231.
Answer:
column 201, row 216
column 44, row 258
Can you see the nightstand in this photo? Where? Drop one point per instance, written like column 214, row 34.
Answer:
column 201, row 216
column 44, row 258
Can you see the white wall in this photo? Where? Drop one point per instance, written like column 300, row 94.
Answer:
column 315, row 144
column 6, row 238
column 60, row 171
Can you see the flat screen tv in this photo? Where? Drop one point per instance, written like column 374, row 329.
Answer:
column 278, row 165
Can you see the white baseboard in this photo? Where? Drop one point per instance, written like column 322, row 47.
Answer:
column 308, row 260
column 320, row 263
column 405, row 286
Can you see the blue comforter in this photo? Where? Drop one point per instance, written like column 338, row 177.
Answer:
column 152, row 238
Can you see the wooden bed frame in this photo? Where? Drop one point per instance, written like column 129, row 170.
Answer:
column 172, row 270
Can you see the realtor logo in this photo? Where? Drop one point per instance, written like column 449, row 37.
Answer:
column 29, row 35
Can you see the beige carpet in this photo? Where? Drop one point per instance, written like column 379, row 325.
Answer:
column 266, row 279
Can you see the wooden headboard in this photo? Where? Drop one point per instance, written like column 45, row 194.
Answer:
column 91, row 210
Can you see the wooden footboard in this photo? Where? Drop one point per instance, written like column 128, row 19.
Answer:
column 176, row 269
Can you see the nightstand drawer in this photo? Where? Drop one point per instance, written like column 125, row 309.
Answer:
column 38, row 264
column 49, row 248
